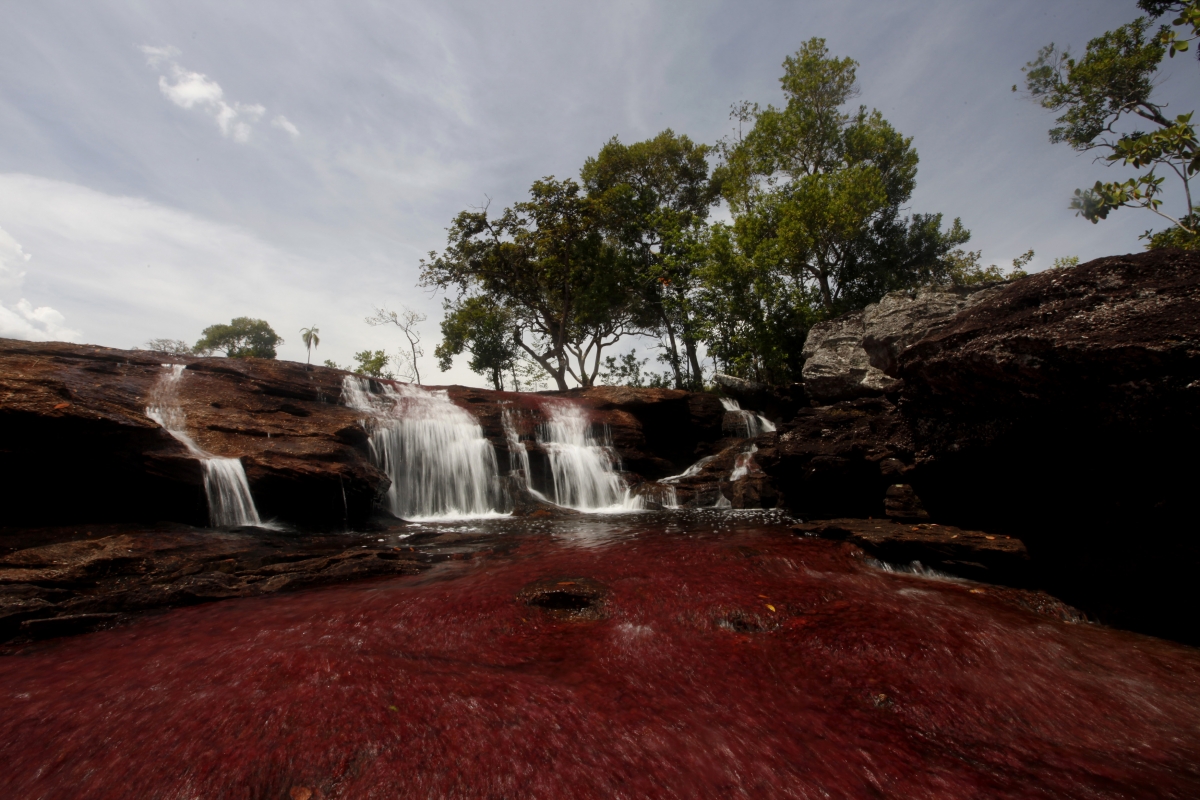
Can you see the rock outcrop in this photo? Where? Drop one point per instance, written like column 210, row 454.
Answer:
column 72, row 580
column 856, row 355
column 79, row 448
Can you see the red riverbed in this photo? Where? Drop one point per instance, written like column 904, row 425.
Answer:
column 729, row 659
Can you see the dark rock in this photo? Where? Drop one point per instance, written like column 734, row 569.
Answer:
column 993, row 558
column 856, row 355
column 1064, row 408
column 901, row 502
column 838, row 460
column 81, row 583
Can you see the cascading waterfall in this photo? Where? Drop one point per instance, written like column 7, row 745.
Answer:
column 751, row 424
column 581, row 466
column 743, row 463
column 440, row 463
column 518, row 456
column 225, row 484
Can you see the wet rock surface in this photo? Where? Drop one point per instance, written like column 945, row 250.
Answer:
column 74, row 580
column 992, row 558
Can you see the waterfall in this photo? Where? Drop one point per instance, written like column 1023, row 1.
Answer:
column 440, row 464
column 518, row 456
column 749, row 423
column 225, row 484
column 743, row 463
column 691, row 471
column 581, row 466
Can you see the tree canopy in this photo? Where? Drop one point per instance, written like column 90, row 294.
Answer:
column 1107, row 104
column 243, row 337
column 818, row 193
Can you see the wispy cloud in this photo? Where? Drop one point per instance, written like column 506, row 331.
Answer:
column 188, row 89
column 21, row 320
column 283, row 123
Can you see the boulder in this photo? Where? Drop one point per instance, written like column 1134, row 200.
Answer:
column 856, row 355
column 1066, row 406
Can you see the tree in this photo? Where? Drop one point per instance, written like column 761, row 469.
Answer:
column 1105, row 98
column 373, row 363
column 406, row 320
column 547, row 264
column 310, row 337
column 816, row 192
column 654, row 198
column 241, row 338
column 173, row 347
column 485, row 328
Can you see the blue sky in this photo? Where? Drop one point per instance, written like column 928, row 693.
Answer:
column 168, row 165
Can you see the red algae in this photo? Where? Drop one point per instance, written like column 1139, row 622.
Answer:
column 686, row 656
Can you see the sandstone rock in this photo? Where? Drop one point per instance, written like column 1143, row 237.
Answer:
column 73, row 418
column 856, row 354
column 836, row 367
column 901, row 503
column 84, row 579
column 1065, row 406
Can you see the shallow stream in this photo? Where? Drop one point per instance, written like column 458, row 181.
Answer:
column 686, row 654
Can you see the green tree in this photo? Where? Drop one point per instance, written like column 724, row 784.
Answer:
column 485, row 328
column 311, row 338
column 654, row 198
column 241, row 338
column 1106, row 97
column 373, row 363
column 546, row 262
column 816, row 191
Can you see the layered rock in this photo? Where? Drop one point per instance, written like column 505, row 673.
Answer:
column 79, row 447
column 856, row 355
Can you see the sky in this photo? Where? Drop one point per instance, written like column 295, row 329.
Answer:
column 169, row 165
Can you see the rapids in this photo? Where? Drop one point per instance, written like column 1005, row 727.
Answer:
column 685, row 654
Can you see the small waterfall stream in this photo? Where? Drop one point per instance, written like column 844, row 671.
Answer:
column 582, row 465
column 750, row 424
column 440, row 463
column 225, row 484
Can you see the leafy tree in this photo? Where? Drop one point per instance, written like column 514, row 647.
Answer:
column 816, row 191
column 241, row 338
column 311, row 338
column 1105, row 98
column 485, row 328
column 965, row 268
column 654, row 197
column 173, row 347
column 546, row 262
column 407, row 321
column 373, row 363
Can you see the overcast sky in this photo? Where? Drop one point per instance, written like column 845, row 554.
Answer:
column 168, row 165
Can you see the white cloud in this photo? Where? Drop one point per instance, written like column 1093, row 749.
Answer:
column 284, row 123
column 188, row 89
column 128, row 270
column 22, row 320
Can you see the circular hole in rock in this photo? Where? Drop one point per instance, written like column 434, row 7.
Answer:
column 572, row 599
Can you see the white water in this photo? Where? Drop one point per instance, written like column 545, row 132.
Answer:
column 581, row 466
column 694, row 469
column 440, row 464
column 225, row 484
column 518, row 456
column 743, row 463
column 751, row 424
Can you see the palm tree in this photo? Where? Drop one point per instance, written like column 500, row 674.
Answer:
column 311, row 340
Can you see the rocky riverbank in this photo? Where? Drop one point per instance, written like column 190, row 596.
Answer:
column 1058, row 411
